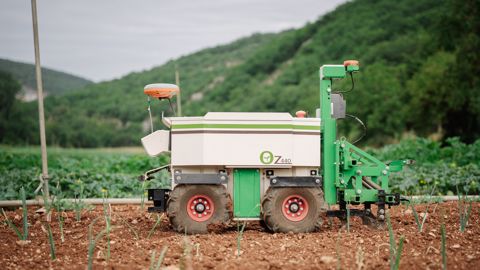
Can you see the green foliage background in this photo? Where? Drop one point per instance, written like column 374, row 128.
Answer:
column 54, row 82
column 419, row 73
column 72, row 170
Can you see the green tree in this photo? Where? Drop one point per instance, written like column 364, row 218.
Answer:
column 9, row 88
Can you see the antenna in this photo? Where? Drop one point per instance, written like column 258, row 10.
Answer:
column 179, row 99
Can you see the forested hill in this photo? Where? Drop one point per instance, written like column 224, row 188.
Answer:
column 419, row 73
column 54, row 82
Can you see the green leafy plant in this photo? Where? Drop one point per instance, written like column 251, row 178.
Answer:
column 395, row 251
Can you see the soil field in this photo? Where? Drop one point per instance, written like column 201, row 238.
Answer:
column 331, row 248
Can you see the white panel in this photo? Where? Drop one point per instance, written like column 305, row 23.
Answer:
column 306, row 150
column 187, row 149
column 156, row 142
column 245, row 149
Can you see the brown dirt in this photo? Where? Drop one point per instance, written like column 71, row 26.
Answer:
column 259, row 249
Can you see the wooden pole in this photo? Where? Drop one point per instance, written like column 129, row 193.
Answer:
column 179, row 97
column 41, row 116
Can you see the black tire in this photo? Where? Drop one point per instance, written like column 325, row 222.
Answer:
column 182, row 222
column 276, row 221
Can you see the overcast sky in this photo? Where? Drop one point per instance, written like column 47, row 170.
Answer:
column 102, row 40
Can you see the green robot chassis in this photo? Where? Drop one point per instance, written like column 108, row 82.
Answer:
column 295, row 201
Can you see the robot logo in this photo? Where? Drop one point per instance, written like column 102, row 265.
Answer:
column 266, row 157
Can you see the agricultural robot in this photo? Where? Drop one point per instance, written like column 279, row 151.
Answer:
column 271, row 167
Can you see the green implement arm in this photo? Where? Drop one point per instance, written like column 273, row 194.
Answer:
column 350, row 175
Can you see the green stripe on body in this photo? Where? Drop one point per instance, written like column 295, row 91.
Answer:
column 245, row 126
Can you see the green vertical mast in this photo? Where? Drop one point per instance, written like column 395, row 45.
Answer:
column 329, row 130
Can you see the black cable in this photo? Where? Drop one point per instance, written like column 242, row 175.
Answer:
column 361, row 123
column 171, row 107
column 351, row 89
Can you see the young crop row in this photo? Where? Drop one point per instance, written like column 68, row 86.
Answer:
column 77, row 173
column 85, row 173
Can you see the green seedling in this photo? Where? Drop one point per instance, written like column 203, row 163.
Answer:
column 416, row 216
column 25, row 213
column 142, row 197
column 108, row 217
column 107, row 213
column 79, row 205
column 395, row 251
column 159, row 218
column 92, row 242
column 444, row 245
column 186, row 259
column 12, row 226
column 240, row 230
column 50, row 241
column 22, row 236
column 464, row 209
column 130, row 227
column 155, row 263
column 61, row 222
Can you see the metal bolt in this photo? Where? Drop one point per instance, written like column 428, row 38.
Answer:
column 388, row 168
column 317, row 181
column 222, row 177
column 359, row 191
column 359, row 172
column 274, row 181
column 178, row 178
column 342, row 181
column 384, row 172
column 200, row 208
column 342, row 145
column 294, row 207
column 381, row 211
column 381, row 217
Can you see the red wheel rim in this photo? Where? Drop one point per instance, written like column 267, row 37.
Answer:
column 200, row 208
column 295, row 208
